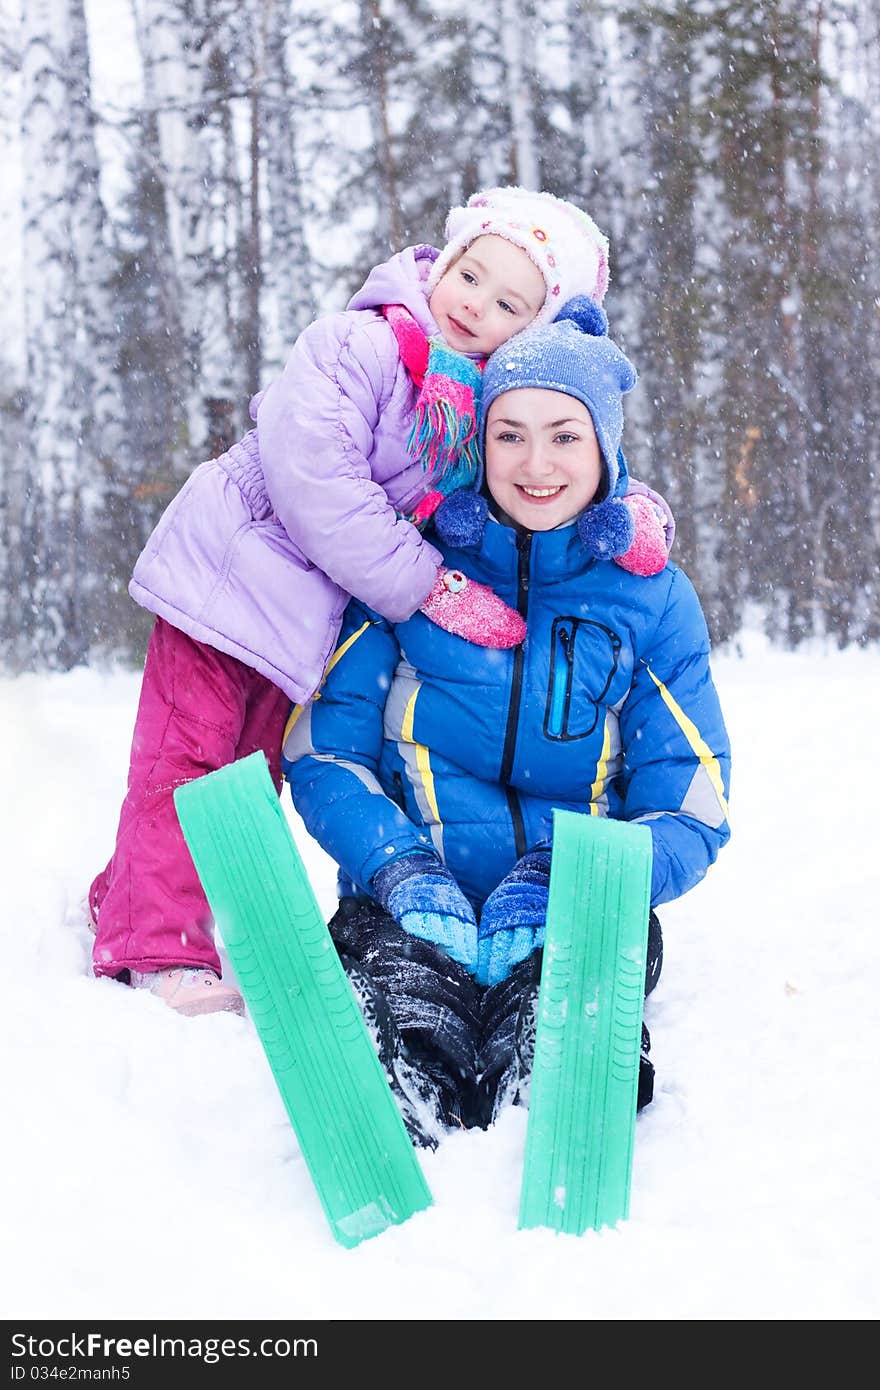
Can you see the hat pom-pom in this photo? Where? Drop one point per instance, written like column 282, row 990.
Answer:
column 627, row 375
column 461, row 519
column 589, row 316
column 606, row 530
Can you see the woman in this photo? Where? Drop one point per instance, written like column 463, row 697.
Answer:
column 429, row 768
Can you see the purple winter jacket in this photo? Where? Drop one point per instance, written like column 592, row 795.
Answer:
column 259, row 552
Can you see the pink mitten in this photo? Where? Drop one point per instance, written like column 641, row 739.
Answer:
column 472, row 611
column 650, row 548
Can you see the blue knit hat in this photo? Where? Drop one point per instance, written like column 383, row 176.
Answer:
column 573, row 355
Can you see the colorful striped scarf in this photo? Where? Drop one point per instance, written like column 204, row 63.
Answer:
column 444, row 433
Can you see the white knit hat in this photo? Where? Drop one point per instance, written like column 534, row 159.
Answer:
column 564, row 243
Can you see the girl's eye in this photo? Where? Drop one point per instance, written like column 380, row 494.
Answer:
column 468, row 278
column 508, row 308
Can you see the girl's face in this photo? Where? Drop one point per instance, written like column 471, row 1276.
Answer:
column 543, row 461
column 491, row 292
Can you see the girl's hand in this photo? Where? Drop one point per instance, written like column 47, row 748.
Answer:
column 654, row 527
column 473, row 611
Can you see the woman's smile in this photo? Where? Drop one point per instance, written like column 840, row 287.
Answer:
column 540, row 494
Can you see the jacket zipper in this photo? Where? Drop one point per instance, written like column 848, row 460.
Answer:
column 519, row 831
column 524, row 547
column 563, row 676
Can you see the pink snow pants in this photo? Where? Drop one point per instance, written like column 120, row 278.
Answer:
column 199, row 710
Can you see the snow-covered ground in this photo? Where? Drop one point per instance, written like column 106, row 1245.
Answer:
column 149, row 1170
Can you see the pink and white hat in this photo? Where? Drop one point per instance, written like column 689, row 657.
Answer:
column 564, row 243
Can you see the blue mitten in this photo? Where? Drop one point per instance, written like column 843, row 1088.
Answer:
column 513, row 918
column 425, row 900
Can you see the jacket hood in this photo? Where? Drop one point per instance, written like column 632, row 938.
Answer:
column 401, row 280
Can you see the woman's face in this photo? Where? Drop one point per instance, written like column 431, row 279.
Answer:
column 543, row 461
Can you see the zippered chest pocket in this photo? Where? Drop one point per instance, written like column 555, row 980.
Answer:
column 584, row 657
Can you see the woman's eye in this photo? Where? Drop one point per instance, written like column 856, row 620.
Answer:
column 508, row 437
column 566, row 438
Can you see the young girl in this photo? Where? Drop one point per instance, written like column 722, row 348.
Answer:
column 249, row 571
column 429, row 768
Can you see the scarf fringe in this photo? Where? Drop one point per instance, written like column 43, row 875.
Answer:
column 445, row 440
column 443, row 437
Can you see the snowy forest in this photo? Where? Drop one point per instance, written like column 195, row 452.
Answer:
column 166, row 234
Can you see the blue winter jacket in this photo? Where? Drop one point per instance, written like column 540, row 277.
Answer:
column 418, row 738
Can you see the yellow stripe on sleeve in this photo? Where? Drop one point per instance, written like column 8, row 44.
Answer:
column 423, row 757
column 293, row 717
column 598, row 786
column 406, row 730
column 695, row 739
column 337, row 656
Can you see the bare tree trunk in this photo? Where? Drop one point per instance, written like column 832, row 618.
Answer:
column 516, row 36
column 390, row 225
column 588, row 101
column 289, row 271
column 254, row 267
column 174, row 84
column 489, row 155
column 53, row 631
column 868, row 27
column 94, row 265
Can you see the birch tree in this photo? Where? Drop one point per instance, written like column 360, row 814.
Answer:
column 592, row 70
column 13, row 459
column 484, row 125
column 766, row 80
column 841, row 384
column 173, row 57
column 94, row 263
column 64, row 494
column 518, row 47
column 671, row 310
column 290, row 274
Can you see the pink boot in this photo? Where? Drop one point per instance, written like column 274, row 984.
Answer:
column 473, row 611
column 189, row 991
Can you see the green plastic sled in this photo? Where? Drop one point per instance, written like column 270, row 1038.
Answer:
column 348, row 1126
column 582, row 1105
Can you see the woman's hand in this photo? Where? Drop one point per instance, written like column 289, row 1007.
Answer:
column 424, row 899
column 513, row 918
